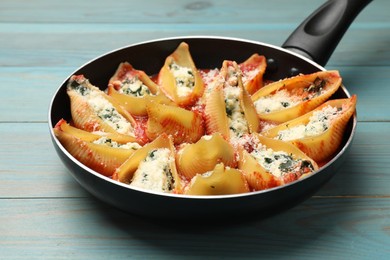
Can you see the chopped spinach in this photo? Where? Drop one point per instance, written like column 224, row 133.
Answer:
column 317, row 86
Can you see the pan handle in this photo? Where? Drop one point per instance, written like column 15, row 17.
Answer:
column 318, row 35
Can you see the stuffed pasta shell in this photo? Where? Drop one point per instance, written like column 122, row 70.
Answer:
column 93, row 110
column 289, row 98
column 95, row 150
column 318, row 133
column 253, row 70
column 271, row 163
column 228, row 107
column 152, row 167
column 179, row 78
column 133, row 89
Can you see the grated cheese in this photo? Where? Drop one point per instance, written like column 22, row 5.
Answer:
column 279, row 163
column 185, row 80
column 109, row 142
column 238, row 125
column 154, row 171
column 134, row 87
column 107, row 112
column 275, row 102
column 319, row 122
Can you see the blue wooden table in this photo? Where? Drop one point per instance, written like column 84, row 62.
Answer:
column 46, row 214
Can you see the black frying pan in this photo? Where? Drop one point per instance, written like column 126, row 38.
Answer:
column 315, row 39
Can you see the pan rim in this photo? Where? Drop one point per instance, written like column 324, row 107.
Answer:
column 183, row 196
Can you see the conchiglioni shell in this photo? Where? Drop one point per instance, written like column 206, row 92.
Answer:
column 167, row 81
column 83, row 115
column 100, row 158
column 219, row 181
column 320, row 147
column 246, row 103
column 253, row 70
column 126, row 71
column 137, row 105
column 125, row 172
column 258, row 177
column 215, row 116
column 249, row 111
column 183, row 125
column 296, row 86
column 203, row 155
column 93, row 136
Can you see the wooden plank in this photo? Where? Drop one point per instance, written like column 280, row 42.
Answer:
column 85, row 229
column 32, row 88
column 41, row 173
column 74, row 44
column 186, row 11
column 29, row 165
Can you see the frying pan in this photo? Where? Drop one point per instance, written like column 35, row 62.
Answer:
column 305, row 51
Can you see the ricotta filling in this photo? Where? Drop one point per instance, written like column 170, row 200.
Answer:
column 278, row 101
column 103, row 108
column 154, row 172
column 279, row 163
column 238, row 125
column 107, row 112
column 185, row 79
column 319, row 122
column 283, row 99
column 110, row 143
column 134, row 87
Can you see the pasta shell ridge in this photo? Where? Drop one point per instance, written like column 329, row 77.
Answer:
column 183, row 125
column 220, row 181
column 100, row 158
column 253, row 70
column 249, row 110
column 215, row 113
column 204, row 155
column 64, row 126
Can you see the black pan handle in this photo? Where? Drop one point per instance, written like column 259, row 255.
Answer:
column 318, row 36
